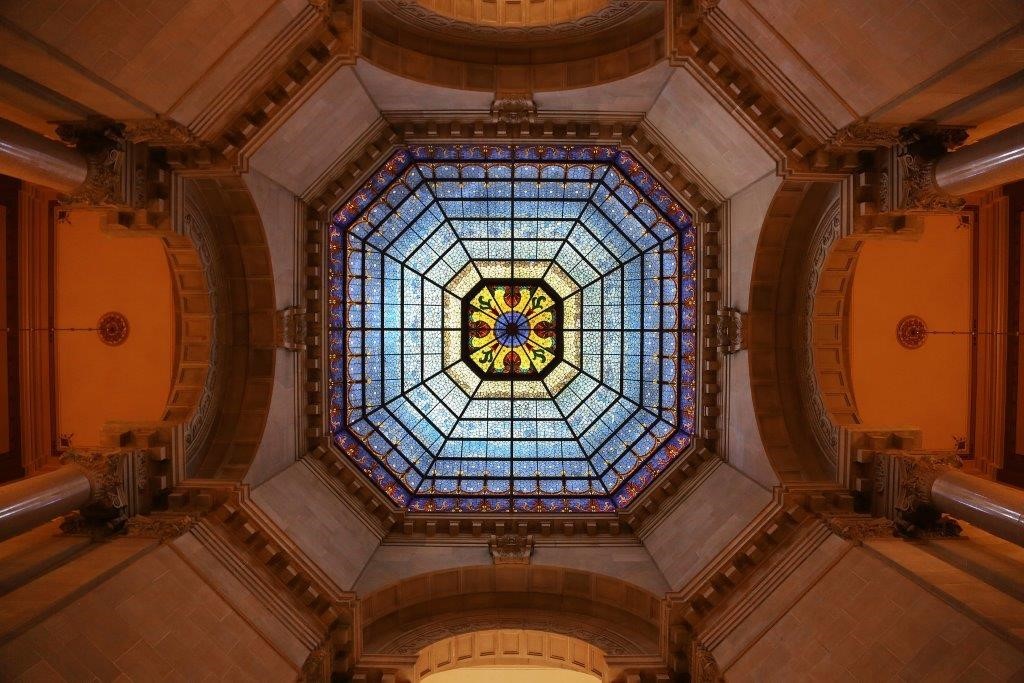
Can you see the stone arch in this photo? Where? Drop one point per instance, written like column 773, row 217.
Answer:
column 223, row 433
column 620, row 619
column 800, row 301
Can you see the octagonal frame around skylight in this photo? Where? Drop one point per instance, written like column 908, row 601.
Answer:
column 529, row 202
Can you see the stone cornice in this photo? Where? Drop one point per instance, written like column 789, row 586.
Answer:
column 333, row 44
column 696, row 605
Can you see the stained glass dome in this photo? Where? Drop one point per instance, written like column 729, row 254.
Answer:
column 512, row 328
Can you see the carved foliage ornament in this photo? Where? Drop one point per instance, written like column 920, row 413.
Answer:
column 291, row 328
column 511, row 548
column 103, row 146
column 513, row 108
column 857, row 528
column 730, row 330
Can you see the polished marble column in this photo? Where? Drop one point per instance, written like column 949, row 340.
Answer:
column 29, row 156
column 993, row 161
column 994, row 507
column 29, row 502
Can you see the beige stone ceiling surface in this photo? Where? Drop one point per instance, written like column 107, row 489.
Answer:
column 317, row 133
column 707, row 135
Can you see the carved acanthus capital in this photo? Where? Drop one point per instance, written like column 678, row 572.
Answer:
column 105, row 471
column 511, row 548
column 914, row 169
column 918, row 473
column 102, row 143
column 291, row 328
column 731, row 330
column 513, row 108
column 318, row 665
column 703, row 667
column 920, row 192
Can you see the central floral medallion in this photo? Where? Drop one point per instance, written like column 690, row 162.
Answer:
column 512, row 330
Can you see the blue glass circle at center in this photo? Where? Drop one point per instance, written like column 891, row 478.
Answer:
column 512, row 328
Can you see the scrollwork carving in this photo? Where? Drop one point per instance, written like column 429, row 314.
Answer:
column 291, row 328
column 513, row 108
column 920, row 193
column 731, row 330
column 162, row 527
column 510, row 548
column 865, row 134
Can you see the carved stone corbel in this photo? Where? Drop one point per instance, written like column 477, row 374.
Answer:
column 513, row 108
column 107, row 509
column 730, row 325
column 102, row 143
column 703, row 667
column 510, row 548
column 291, row 327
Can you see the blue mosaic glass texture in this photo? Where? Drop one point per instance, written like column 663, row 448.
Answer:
column 624, row 406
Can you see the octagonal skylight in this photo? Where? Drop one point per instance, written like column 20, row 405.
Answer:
column 512, row 328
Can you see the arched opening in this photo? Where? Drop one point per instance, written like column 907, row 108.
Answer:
column 519, row 614
column 510, row 655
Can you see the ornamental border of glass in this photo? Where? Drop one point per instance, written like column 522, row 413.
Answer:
column 370, row 411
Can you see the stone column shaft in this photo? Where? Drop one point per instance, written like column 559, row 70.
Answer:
column 29, row 156
column 36, row 500
column 994, row 161
column 996, row 508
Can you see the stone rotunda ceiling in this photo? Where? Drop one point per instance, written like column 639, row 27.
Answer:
column 512, row 328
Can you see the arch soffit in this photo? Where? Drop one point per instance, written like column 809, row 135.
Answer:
column 224, row 431
column 510, row 647
column 617, row 617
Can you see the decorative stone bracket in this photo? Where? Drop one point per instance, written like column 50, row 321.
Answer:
column 730, row 330
column 511, row 548
column 513, row 108
column 291, row 326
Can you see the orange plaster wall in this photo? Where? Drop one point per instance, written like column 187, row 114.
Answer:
column 96, row 383
column 928, row 387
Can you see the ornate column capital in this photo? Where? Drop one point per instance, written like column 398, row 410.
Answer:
column 103, row 145
column 902, row 491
